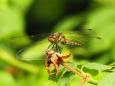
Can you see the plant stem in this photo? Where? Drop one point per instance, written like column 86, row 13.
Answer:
column 85, row 77
column 13, row 61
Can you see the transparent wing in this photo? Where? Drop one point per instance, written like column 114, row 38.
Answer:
column 23, row 41
column 33, row 52
column 30, row 47
column 87, row 38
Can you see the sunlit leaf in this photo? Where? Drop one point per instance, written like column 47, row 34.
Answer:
column 6, row 79
column 66, row 79
column 68, row 24
column 11, row 23
column 23, row 5
column 108, row 80
column 94, row 68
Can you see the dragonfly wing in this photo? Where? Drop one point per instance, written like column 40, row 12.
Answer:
column 34, row 47
column 86, row 37
column 34, row 52
column 23, row 41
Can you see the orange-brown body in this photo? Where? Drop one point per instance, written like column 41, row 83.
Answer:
column 59, row 38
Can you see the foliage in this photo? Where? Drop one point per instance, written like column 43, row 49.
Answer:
column 20, row 18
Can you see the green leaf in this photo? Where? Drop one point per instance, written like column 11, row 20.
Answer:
column 3, row 4
column 11, row 23
column 110, row 3
column 65, row 80
column 55, row 78
column 94, row 68
column 112, row 54
column 112, row 69
column 68, row 24
column 108, row 80
column 23, row 5
column 93, row 72
column 6, row 79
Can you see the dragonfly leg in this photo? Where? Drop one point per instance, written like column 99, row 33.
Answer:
column 50, row 45
column 57, row 48
column 60, row 49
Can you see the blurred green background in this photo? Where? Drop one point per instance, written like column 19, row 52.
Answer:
column 30, row 17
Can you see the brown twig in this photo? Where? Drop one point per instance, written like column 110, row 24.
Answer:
column 55, row 59
column 76, row 72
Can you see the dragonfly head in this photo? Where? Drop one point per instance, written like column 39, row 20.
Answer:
column 53, row 38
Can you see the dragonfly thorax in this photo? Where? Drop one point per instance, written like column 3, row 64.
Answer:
column 57, row 38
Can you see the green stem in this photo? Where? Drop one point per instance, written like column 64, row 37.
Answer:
column 92, row 81
column 13, row 61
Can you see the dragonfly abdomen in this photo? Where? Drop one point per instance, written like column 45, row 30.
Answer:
column 73, row 43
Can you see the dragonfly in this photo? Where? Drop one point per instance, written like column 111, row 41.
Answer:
column 56, row 41
column 56, row 38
